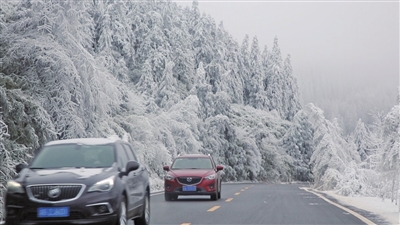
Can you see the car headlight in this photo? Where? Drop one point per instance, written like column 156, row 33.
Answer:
column 14, row 187
column 169, row 177
column 210, row 177
column 104, row 185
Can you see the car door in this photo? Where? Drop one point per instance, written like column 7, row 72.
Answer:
column 136, row 183
column 129, row 179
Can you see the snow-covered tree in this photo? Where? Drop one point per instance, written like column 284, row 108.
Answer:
column 298, row 143
column 331, row 155
column 360, row 137
column 390, row 164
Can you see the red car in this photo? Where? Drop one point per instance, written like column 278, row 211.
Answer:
column 192, row 174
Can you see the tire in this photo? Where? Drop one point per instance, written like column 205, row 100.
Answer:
column 170, row 197
column 214, row 196
column 122, row 213
column 145, row 218
column 167, row 197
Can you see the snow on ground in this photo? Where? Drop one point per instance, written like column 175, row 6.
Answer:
column 384, row 208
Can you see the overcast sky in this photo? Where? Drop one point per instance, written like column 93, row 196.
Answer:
column 350, row 42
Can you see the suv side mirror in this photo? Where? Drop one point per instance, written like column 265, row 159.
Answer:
column 166, row 168
column 220, row 168
column 131, row 166
column 20, row 167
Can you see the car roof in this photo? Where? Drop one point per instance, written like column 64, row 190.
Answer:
column 84, row 141
column 193, row 156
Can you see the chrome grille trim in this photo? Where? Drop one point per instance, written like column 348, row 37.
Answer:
column 69, row 192
column 183, row 181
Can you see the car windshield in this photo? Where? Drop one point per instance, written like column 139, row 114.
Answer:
column 192, row 163
column 73, row 155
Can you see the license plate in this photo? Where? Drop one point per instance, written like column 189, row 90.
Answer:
column 46, row 212
column 189, row 188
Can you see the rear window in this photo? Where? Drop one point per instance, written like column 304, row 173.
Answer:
column 192, row 163
column 73, row 155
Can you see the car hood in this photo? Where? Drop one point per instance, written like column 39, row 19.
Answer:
column 67, row 175
column 191, row 173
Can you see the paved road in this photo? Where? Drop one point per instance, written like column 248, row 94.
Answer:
column 251, row 204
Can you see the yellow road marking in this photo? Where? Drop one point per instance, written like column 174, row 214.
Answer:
column 365, row 220
column 229, row 199
column 213, row 208
column 185, row 224
column 242, row 190
column 237, row 193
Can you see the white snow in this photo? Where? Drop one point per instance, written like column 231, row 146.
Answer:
column 384, row 208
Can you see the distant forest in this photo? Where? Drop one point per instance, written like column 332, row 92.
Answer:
column 175, row 82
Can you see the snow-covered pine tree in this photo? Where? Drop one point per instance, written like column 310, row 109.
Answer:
column 257, row 96
column 231, row 80
column 360, row 137
column 167, row 94
column 298, row 143
column 390, row 164
column 331, row 155
column 290, row 101
column 274, row 81
column 244, row 68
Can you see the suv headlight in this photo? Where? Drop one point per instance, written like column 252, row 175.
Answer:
column 104, row 185
column 210, row 177
column 169, row 177
column 14, row 187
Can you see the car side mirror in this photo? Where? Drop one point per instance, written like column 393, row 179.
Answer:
column 220, row 168
column 166, row 168
column 131, row 166
column 20, row 167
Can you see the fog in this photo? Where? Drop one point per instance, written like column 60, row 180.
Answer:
column 344, row 54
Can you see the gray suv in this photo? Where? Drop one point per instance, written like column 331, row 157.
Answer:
column 80, row 181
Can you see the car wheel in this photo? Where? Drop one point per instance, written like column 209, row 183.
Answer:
column 122, row 213
column 167, row 197
column 145, row 218
column 214, row 196
column 170, row 197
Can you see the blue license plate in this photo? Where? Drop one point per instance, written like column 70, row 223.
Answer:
column 189, row 188
column 46, row 212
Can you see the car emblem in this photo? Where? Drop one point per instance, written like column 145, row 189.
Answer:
column 189, row 179
column 54, row 193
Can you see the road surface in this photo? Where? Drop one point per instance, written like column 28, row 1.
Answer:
column 251, row 204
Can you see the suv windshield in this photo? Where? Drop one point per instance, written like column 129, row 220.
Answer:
column 73, row 155
column 192, row 163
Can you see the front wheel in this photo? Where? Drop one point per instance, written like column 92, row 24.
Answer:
column 145, row 218
column 170, row 197
column 214, row 196
column 122, row 213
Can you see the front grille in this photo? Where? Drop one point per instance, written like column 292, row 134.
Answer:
column 43, row 193
column 189, row 180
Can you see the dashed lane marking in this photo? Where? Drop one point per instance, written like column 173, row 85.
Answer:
column 229, row 199
column 185, row 224
column 237, row 193
column 213, row 208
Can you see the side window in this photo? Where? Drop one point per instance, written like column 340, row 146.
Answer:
column 122, row 157
column 129, row 152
